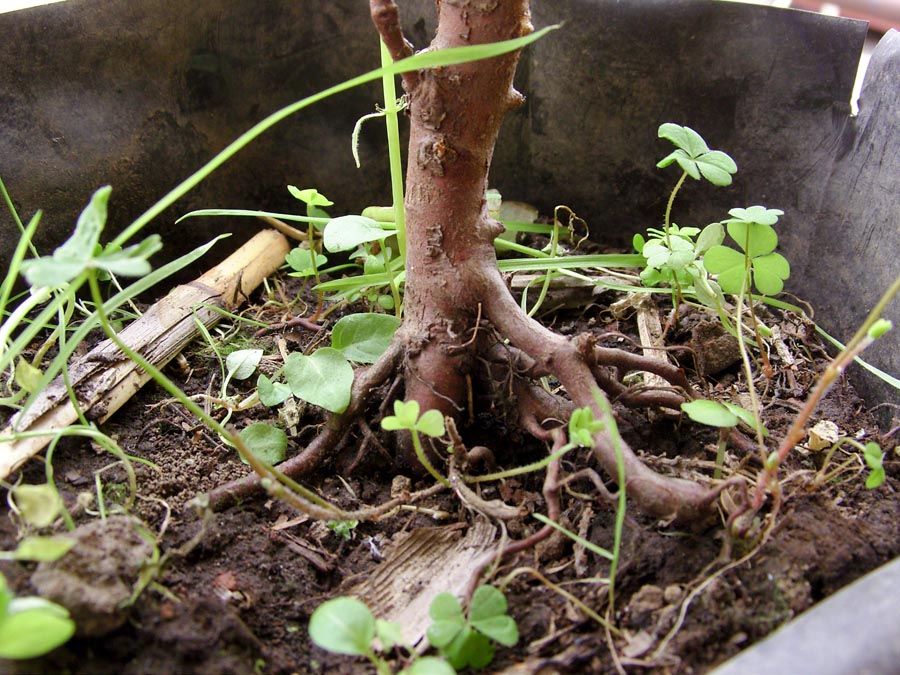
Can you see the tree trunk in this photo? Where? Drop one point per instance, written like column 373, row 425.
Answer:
column 455, row 116
column 452, row 277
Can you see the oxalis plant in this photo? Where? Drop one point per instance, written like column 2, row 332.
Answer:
column 347, row 626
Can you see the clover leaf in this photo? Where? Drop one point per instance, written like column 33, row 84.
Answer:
column 694, row 156
column 466, row 642
column 752, row 231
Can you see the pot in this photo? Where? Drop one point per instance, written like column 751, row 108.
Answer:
column 139, row 95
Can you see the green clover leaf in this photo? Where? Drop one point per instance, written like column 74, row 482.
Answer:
column 694, row 156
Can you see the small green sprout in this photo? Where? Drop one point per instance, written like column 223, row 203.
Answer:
column 583, row 426
column 724, row 416
column 303, row 262
column 308, row 264
column 874, row 457
column 431, row 423
column 343, row 528
column 466, row 642
column 879, row 328
column 347, row 626
column 360, row 232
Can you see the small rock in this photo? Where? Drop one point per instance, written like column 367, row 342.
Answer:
column 97, row 575
column 716, row 349
column 672, row 594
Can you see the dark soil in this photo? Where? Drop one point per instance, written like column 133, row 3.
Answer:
column 239, row 600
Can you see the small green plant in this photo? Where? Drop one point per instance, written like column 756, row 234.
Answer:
column 347, row 626
column 874, row 458
column 323, row 378
column 672, row 255
column 872, row 455
column 343, row 528
column 756, row 263
column 32, row 626
column 467, row 641
column 431, row 423
column 724, row 416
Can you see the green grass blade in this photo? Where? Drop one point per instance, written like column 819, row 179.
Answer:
column 581, row 541
column 626, row 260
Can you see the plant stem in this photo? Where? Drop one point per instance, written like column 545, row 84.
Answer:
column 748, row 369
column 423, row 458
column 668, row 216
column 835, row 369
column 720, row 453
column 519, row 470
column 667, row 219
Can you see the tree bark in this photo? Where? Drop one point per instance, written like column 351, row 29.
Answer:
column 452, row 277
column 455, row 116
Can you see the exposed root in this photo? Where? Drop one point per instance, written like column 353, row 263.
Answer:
column 578, row 364
column 366, row 380
column 671, row 499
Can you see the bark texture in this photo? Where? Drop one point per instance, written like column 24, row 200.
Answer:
column 452, row 277
column 455, row 116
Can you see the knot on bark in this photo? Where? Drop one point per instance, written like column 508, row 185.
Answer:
column 584, row 344
column 434, row 152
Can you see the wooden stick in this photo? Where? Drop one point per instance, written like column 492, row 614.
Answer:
column 104, row 379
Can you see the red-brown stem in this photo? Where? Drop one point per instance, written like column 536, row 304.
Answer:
column 455, row 115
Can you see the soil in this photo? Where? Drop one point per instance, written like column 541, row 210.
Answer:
column 234, row 595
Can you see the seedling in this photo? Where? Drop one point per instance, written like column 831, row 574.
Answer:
column 724, row 416
column 675, row 251
column 31, row 626
column 431, row 423
column 872, row 455
column 346, row 625
column 757, row 266
column 874, row 458
column 757, row 262
column 342, row 528
column 358, row 232
column 323, row 378
column 467, row 641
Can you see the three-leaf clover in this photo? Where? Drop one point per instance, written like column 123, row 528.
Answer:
column 431, row 423
column 467, row 641
column 694, row 156
column 406, row 417
column 752, row 230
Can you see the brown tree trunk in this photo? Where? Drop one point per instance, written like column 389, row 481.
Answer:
column 455, row 116
column 452, row 277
